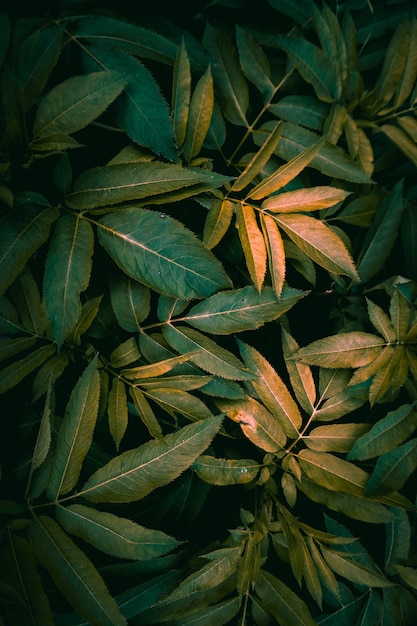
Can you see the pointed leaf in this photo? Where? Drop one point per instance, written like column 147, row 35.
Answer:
column 389, row 432
column 354, row 571
column 300, row 374
column 229, row 80
column 397, row 540
column 217, row 222
column 50, row 371
column 241, row 309
column 310, row 199
column 409, row 71
column 332, row 472
column 141, row 110
column 259, row 160
column 177, row 401
column 181, row 94
column 74, row 574
column 76, row 432
column 142, row 372
column 402, row 140
column 252, row 241
column 122, row 182
column 210, row 357
column 146, row 413
column 117, row 411
column 394, row 64
column 141, row 597
column 22, row 233
column 351, row 349
column 27, row 299
column 393, row 468
column 294, row 108
column 285, row 605
column 201, row 110
column 276, row 252
column 400, row 314
column 272, row 390
column 75, row 103
column 69, row 258
column 219, row 614
column 381, row 321
column 135, row 473
column 335, row 437
column 130, row 302
column 256, row 422
column 319, row 242
column 161, row 253
column 225, row 471
column 44, row 438
column 115, row 535
column 17, row 371
column 254, row 62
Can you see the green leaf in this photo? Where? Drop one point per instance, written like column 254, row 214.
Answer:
column 242, row 309
column 218, row 220
column 141, row 597
column 178, row 401
column 122, row 182
column 21, row 233
column 181, row 94
column 350, row 349
column 402, row 140
column 117, row 411
column 381, row 321
column 257, row 423
column 74, row 574
column 135, row 473
column 201, row 110
column 389, row 432
column 333, row 473
column 14, row 373
column 394, row 64
column 300, row 374
column 141, row 110
column 272, row 390
column 382, row 234
column 408, row 575
column 254, row 62
column 306, row 110
column 285, row 605
column 309, row 199
column 67, row 273
column 354, row 571
column 229, row 80
column 319, row 242
column 146, row 413
column 19, row 562
column 48, row 373
column 397, row 540
column 12, row 347
column 27, row 299
column 225, row 471
column 210, row 357
column 121, row 35
column 335, row 437
column 75, row 103
column 161, row 253
column 44, row 438
column 117, row 536
column 409, row 70
column 76, row 432
column 253, row 244
column 300, row 12
column 393, row 468
column 125, row 354
column 130, row 302
column 219, row 614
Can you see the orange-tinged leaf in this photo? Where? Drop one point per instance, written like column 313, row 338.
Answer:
column 217, row 222
column 276, row 252
column 253, row 243
column 308, row 199
column 351, row 349
column 259, row 160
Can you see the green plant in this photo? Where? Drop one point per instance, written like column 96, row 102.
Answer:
column 208, row 315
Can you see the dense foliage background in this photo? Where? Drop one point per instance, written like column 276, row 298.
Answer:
column 208, row 321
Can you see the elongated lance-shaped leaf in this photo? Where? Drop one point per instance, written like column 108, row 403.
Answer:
column 252, row 241
column 318, row 242
column 122, row 182
column 300, row 374
column 130, row 302
column 135, row 473
column 201, row 110
column 20, row 566
column 257, row 423
column 382, row 233
column 393, row 468
column 177, row 401
column 75, row 103
column 117, row 411
column 288, row 171
column 241, row 309
column 229, row 80
column 351, row 349
column 259, row 160
column 67, row 273
column 217, row 222
column 402, row 140
column 17, row 371
column 121, row 35
column 76, row 432
column 409, row 72
column 137, row 599
column 141, row 110
column 400, row 310
column 210, row 356
column 354, row 571
column 115, row 535
column 281, row 602
column 328, row 28
column 276, row 252
column 181, row 94
column 335, row 437
column 397, row 540
column 146, row 413
column 310, row 199
column 389, row 432
column 272, row 390
column 254, row 63
column 125, row 354
column 152, row 370
column 225, row 471
column 294, row 108
column 27, row 299
column 44, row 438
column 161, row 253
column 333, row 473
column 393, row 67
column 381, row 321
column 74, row 574
column 21, row 233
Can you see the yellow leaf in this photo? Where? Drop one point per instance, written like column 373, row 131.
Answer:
column 253, row 243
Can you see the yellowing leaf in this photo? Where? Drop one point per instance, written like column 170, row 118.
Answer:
column 201, row 110
column 252, row 241
column 259, row 160
column 332, row 472
column 276, row 252
column 310, row 199
column 351, row 349
column 181, row 94
column 300, row 374
column 225, row 471
column 146, row 413
column 117, row 411
column 217, row 222
column 354, row 571
column 256, row 422
column 135, row 473
column 335, row 437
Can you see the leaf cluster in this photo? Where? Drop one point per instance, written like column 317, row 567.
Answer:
column 208, row 315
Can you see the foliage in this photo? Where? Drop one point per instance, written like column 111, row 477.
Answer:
column 208, row 314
